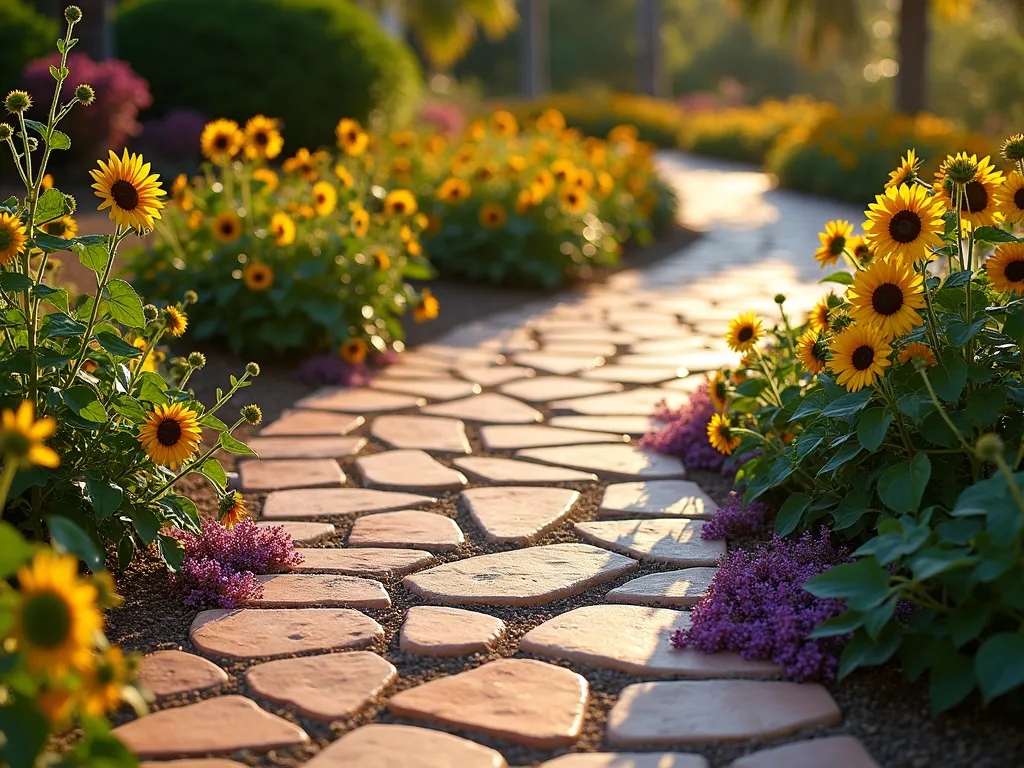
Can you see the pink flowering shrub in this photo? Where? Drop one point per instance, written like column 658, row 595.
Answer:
column 734, row 520
column 219, row 567
column 686, row 434
column 757, row 606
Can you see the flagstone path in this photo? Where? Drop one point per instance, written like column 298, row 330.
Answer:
column 492, row 568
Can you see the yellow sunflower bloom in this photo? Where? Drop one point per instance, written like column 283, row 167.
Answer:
column 360, row 221
column 887, row 295
column 906, row 172
column 861, row 249
column 232, row 509
column 1010, row 198
column 127, row 188
column 257, row 276
column 820, row 317
column 351, row 137
column 524, row 201
column 1005, row 268
column 12, row 237
column 267, row 177
column 978, row 204
column 744, row 332
column 833, row 242
column 344, row 176
column 304, row 164
column 170, row 434
column 282, row 228
column 262, row 138
column 381, row 257
column 353, row 351
column 721, row 436
column 812, row 351
column 493, row 215
column 718, row 390
column 181, row 193
column 21, row 437
column 106, row 681
column 550, row 121
column 504, row 124
column 564, row 171
column 428, row 308
column 400, row 202
column 917, row 349
column 325, row 197
column 573, row 199
column 176, row 321
column 905, row 223
column 227, row 227
column 452, row 190
column 65, row 227
column 221, row 140
column 860, row 355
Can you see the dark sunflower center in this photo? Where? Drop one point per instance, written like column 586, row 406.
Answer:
column 399, row 206
column 5, row 238
column 862, row 357
column 837, row 245
column 823, row 317
column 905, row 226
column 221, row 142
column 125, row 195
column 56, row 228
column 1018, row 198
column 46, row 620
column 352, row 136
column 1014, row 271
column 321, row 199
column 887, row 299
column 262, row 139
column 227, row 227
column 746, row 333
column 975, row 197
column 169, row 432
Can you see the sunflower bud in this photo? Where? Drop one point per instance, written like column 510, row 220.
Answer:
column 17, row 102
column 5, row 132
column 253, row 369
column 70, row 203
column 989, row 447
column 33, row 143
column 780, row 299
column 196, row 359
column 73, row 14
column 961, row 169
column 85, row 94
column 840, row 321
column 150, row 313
column 1013, row 148
column 190, row 297
column 252, row 414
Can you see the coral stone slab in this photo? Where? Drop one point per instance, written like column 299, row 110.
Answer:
column 675, row 589
column 435, row 630
column 409, row 469
column 358, row 400
column 657, row 498
column 831, row 751
column 674, row 541
column 531, row 576
column 543, row 389
column 694, row 711
column 635, row 640
column 635, row 402
column 495, row 470
column 323, row 687
column 284, row 474
column 492, row 377
column 306, row 447
column 302, row 533
column 428, row 433
column 521, row 700
column 634, row 426
column 509, row 437
column 627, row 760
column 215, row 726
column 336, row 502
column 389, row 745
column 514, row 515
column 169, row 673
column 407, row 529
column 561, row 365
column 370, row 562
column 611, row 460
column 251, row 633
column 311, row 590
column 430, row 388
column 489, row 408
column 312, row 424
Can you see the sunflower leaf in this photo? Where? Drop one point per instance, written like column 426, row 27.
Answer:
column 843, row 278
column 51, row 205
column 72, row 539
column 125, row 305
column 231, row 445
column 993, row 235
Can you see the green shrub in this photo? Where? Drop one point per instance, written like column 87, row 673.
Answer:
column 24, row 35
column 302, row 61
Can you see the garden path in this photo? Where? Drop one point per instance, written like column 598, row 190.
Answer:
column 492, row 568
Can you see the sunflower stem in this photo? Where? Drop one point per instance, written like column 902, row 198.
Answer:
column 890, row 399
column 150, row 346
column 6, row 479
column 933, row 322
column 943, row 414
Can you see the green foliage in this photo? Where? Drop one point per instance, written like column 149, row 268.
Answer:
column 24, row 35
column 302, row 61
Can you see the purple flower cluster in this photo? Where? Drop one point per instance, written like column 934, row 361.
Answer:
column 757, row 606
column 219, row 566
column 175, row 136
column 735, row 520
column 330, row 370
column 686, row 434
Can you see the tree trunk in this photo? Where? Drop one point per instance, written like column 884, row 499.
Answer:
column 650, row 71
column 533, row 52
column 911, row 81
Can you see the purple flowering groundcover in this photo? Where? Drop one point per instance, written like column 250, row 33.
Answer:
column 686, row 433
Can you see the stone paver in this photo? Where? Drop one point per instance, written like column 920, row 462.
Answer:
column 408, row 528
column 509, row 437
column 657, row 498
column 256, row 633
column 544, row 389
column 436, row 630
column 323, row 687
column 618, row 425
column 312, row 590
column 574, row 348
column 301, row 533
column 169, row 673
column 520, row 700
column 831, row 751
column 430, row 388
column 687, row 384
column 634, row 402
column 405, row 746
column 612, row 460
column 517, row 515
column 408, row 470
column 337, row 502
column 405, row 370
column 490, row 408
column 492, row 377
column 311, row 424
column 560, row 365
column 629, row 374
column 627, row 760
column 673, row 541
column 635, row 640
column 358, row 400
column 306, row 447
column 674, row 589
column 531, row 576
column 494, row 470
column 215, row 726
column 200, row 762
column 694, row 711
column 428, row 433
column 370, row 562
column 283, row 474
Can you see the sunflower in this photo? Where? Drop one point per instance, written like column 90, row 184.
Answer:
column 403, row 139
column 262, row 139
column 282, row 228
column 906, row 172
column 149, row 362
column 181, row 193
column 21, row 437
column 128, row 189
column 812, row 351
column 624, row 134
column 833, row 242
column 56, row 619
column 550, row 121
column 564, row 171
column 351, row 137
column 105, row 682
column 324, row 198
column 492, row 215
column 978, row 205
column 65, row 227
column 720, row 434
column 344, row 176
column 744, row 332
column 400, row 202
column 718, row 391
column 221, row 140
column 860, row 355
column 12, row 237
column 232, row 509
column 887, row 294
column 452, row 190
column 257, row 276
column 428, row 308
column 227, row 227
column 905, row 223
column 170, row 434
column 861, row 249
column 1005, row 268
column 382, row 259
column 917, row 349
column 524, row 201
column 304, row 163
column 413, row 248
column 573, row 199
column 176, row 321
column 360, row 221
column 543, row 183
column 504, row 124
column 1010, row 198
column 353, row 351
column 820, row 317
